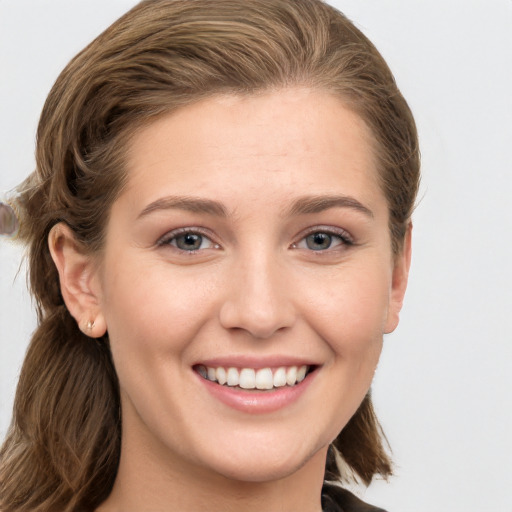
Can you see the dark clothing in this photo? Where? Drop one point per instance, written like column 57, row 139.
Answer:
column 336, row 499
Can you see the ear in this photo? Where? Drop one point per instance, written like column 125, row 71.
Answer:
column 79, row 283
column 402, row 264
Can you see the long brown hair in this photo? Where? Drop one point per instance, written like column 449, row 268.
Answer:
column 63, row 446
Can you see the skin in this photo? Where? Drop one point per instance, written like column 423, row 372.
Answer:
column 254, row 289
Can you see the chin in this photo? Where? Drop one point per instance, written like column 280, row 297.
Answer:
column 260, row 473
column 266, row 465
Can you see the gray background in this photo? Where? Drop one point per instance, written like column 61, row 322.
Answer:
column 443, row 386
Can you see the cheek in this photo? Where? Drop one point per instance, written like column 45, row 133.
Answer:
column 350, row 312
column 153, row 315
column 350, row 320
column 151, row 307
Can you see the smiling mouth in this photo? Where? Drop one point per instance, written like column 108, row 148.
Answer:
column 263, row 379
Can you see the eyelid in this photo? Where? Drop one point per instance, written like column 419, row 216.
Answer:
column 344, row 235
column 195, row 230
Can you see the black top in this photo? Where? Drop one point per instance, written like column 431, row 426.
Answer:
column 337, row 499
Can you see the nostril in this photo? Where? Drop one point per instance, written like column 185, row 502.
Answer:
column 259, row 324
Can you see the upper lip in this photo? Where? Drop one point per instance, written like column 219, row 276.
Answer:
column 246, row 361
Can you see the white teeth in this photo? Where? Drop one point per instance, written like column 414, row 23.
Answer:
column 291, row 376
column 233, row 377
column 221, row 375
column 249, row 378
column 211, row 374
column 264, row 379
column 280, row 377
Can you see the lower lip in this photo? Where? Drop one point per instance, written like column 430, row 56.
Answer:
column 258, row 402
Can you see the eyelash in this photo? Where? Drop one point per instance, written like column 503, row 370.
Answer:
column 169, row 238
column 341, row 234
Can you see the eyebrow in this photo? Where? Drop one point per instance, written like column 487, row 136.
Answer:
column 191, row 204
column 302, row 206
column 316, row 204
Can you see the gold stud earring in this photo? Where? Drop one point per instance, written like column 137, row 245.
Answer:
column 87, row 328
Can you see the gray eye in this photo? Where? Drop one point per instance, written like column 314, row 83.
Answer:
column 319, row 241
column 189, row 242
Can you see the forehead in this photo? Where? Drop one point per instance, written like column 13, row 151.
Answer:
column 298, row 139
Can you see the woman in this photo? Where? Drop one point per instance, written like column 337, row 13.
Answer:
column 219, row 236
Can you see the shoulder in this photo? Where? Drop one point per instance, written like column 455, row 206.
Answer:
column 337, row 499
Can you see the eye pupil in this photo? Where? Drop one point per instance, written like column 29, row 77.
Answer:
column 319, row 241
column 189, row 241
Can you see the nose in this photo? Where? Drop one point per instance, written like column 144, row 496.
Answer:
column 258, row 299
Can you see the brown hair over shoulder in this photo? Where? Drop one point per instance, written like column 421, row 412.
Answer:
column 63, row 446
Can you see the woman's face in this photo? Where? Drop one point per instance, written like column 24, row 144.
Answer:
column 251, row 243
